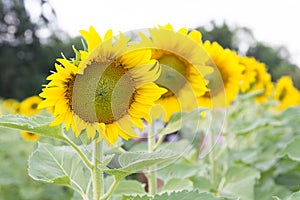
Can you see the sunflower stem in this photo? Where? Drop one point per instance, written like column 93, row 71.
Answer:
column 152, row 169
column 97, row 172
column 77, row 149
column 111, row 189
column 212, row 157
column 160, row 140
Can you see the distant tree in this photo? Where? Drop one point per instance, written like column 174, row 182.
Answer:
column 242, row 40
column 25, row 56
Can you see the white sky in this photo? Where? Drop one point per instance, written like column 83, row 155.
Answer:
column 275, row 22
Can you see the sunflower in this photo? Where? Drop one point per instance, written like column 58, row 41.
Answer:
column 183, row 71
column 11, row 106
column 286, row 93
column 224, row 82
column 249, row 73
column 32, row 137
column 262, row 79
column 29, row 106
column 110, row 91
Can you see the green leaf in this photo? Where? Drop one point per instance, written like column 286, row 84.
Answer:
column 178, row 170
column 183, row 195
column 268, row 188
column 133, row 162
column 244, row 127
column 294, row 196
column 240, row 181
column 129, row 187
column 292, row 149
column 59, row 165
column 201, row 183
column 275, row 198
column 178, row 184
column 36, row 124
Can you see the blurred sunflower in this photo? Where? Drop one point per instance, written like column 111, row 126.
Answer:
column 249, row 73
column 286, row 93
column 29, row 136
column 183, row 71
column 262, row 80
column 29, row 106
column 224, row 82
column 11, row 106
column 110, row 91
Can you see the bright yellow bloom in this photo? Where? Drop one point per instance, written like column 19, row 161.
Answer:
column 224, row 82
column 286, row 93
column 182, row 60
column 110, row 91
column 11, row 106
column 32, row 137
column 262, row 79
column 249, row 72
column 29, row 106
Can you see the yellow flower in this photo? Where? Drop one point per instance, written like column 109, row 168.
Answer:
column 224, row 82
column 286, row 93
column 249, row 72
column 182, row 60
column 109, row 92
column 29, row 106
column 29, row 136
column 262, row 79
column 11, row 106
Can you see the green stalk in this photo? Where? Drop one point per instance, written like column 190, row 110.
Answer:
column 111, row 189
column 82, row 156
column 212, row 158
column 160, row 140
column 97, row 172
column 152, row 170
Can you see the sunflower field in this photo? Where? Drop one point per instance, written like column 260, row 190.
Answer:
column 160, row 114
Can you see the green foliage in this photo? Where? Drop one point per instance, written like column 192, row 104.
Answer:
column 35, row 124
column 133, row 162
column 292, row 149
column 184, row 195
column 240, row 181
column 128, row 188
column 14, row 181
column 59, row 165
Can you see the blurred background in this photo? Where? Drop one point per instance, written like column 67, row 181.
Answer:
column 33, row 33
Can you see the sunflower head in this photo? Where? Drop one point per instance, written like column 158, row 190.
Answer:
column 286, row 93
column 262, row 79
column 182, row 60
column 29, row 106
column 31, row 137
column 108, row 93
column 224, row 82
column 249, row 73
column 11, row 106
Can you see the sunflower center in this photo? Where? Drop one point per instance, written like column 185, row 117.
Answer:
column 34, row 106
column 282, row 94
column 103, row 93
column 173, row 69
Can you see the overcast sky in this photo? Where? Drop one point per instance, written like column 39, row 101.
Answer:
column 275, row 22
